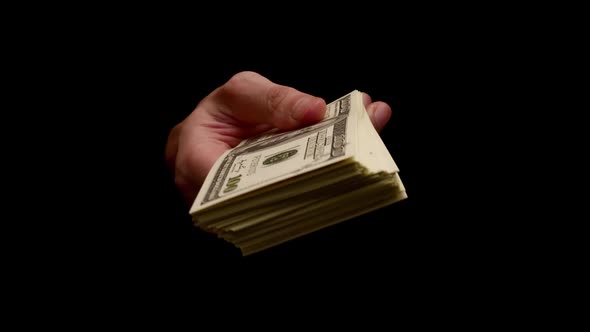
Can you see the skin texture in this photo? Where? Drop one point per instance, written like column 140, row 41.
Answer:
column 246, row 105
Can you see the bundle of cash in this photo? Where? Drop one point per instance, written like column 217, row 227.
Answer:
column 281, row 185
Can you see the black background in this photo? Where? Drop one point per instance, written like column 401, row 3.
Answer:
column 425, row 76
column 105, row 230
column 130, row 77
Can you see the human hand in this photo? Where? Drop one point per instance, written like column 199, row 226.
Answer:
column 246, row 105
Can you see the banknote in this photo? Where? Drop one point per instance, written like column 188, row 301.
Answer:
column 275, row 156
column 281, row 185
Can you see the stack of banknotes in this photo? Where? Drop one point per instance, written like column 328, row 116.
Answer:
column 281, row 185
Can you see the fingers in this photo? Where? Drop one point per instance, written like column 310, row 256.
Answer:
column 379, row 112
column 253, row 99
column 366, row 99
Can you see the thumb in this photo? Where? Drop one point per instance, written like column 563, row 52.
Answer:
column 254, row 99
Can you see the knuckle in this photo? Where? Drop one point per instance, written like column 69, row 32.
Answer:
column 276, row 96
column 238, row 81
column 182, row 172
column 171, row 148
column 180, row 181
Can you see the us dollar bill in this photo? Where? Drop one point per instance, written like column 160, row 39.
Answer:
column 277, row 156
